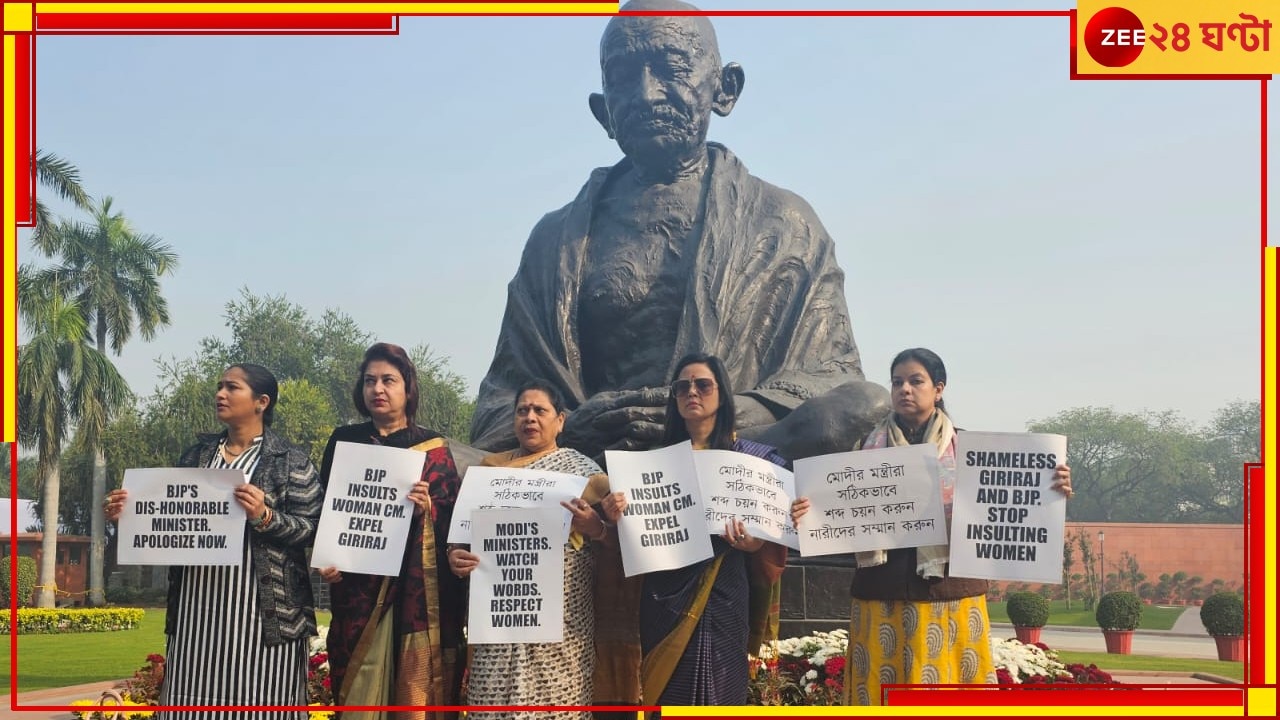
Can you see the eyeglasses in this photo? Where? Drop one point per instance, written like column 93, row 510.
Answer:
column 704, row 386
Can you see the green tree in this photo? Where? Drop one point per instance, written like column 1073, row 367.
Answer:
column 1068, row 559
column 181, row 406
column 113, row 272
column 1232, row 439
column 305, row 417
column 270, row 331
column 1089, row 562
column 28, row 488
column 61, row 381
column 1128, row 466
column 342, row 344
column 442, row 403
column 64, row 179
column 316, row 363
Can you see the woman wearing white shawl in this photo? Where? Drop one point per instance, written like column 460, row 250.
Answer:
column 911, row 622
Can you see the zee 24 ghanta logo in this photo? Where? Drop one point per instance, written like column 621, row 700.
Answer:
column 1115, row 37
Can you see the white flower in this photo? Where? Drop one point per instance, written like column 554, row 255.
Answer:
column 1023, row 661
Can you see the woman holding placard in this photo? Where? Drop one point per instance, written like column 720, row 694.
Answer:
column 698, row 623
column 910, row 621
column 237, row 635
column 560, row 673
column 398, row 640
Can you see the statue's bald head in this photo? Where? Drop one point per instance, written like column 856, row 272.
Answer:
column 695, row 30
column 661, row 82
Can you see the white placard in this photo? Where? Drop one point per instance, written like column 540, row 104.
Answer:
column 181, row 516
column 663, row 527
column 748, row 488
column 365, row 522
column 490, row 488
column 1007, row 522
column 871, row 500
column 517, row 590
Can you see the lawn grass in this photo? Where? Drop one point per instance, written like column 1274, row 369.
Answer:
column 1119, row 663
column 48, row 661
column 1154, row 617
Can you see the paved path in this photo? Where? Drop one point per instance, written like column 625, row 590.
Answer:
column 1187, row 639
column 52, row 696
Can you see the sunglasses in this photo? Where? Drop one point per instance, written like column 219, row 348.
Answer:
column 704, row 386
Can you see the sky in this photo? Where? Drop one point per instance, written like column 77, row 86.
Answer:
column 1059, row 243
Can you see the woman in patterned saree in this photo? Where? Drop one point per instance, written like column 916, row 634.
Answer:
column 397, row 640
column 698, row 623
column 545, row 673
column 911, row 622
column 237, row 635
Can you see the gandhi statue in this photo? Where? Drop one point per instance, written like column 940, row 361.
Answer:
column 678, row 249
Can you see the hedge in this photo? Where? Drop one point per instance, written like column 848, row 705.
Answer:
column 26, row 580
column 48, row 621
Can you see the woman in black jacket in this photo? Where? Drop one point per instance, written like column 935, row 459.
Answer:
column 238, row 634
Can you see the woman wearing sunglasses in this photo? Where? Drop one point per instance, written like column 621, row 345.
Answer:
column 697, row 623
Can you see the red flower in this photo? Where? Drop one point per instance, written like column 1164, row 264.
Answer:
column 325, row 682
column 834, row 667
column 155, row 658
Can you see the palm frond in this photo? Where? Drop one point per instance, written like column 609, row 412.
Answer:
column 62, row 177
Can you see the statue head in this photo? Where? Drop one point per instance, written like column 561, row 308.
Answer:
column 662, row 79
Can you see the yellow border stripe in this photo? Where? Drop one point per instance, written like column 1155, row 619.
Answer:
column 17, row 17
column 375, row 8
column 1269, row 257
column 1262, row 702
column 10, row 244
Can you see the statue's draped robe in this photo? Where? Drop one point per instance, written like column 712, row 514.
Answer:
column 766, row 296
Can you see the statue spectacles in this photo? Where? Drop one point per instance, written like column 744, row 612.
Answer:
column 704, row 386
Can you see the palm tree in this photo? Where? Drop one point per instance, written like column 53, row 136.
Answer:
column 61, row 380
column 64, row 179
column 113, row 274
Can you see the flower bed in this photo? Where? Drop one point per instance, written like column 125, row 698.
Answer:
column 1020, row 664
column 34, row 621
column 810, row 670
column 800, row 671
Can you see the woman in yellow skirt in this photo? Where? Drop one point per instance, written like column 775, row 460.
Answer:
column 911, row 622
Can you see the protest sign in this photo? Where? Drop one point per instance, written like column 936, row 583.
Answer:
column 747, row 488
column 517, row 589
column 870, row 500
column 181, row 516
column 365, row 522
column 663, row 525
column 1006, row 522
column 489, row 488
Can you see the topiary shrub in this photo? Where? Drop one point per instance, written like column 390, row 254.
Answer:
column 1027, row 609
column 27, row 574
column 1120, row 610
column 1223, row 614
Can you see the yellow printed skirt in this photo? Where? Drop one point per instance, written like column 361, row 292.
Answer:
column 916, row 642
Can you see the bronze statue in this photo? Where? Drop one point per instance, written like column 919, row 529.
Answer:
column 676, row 249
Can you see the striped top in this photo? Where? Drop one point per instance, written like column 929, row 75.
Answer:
column 216, row 655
